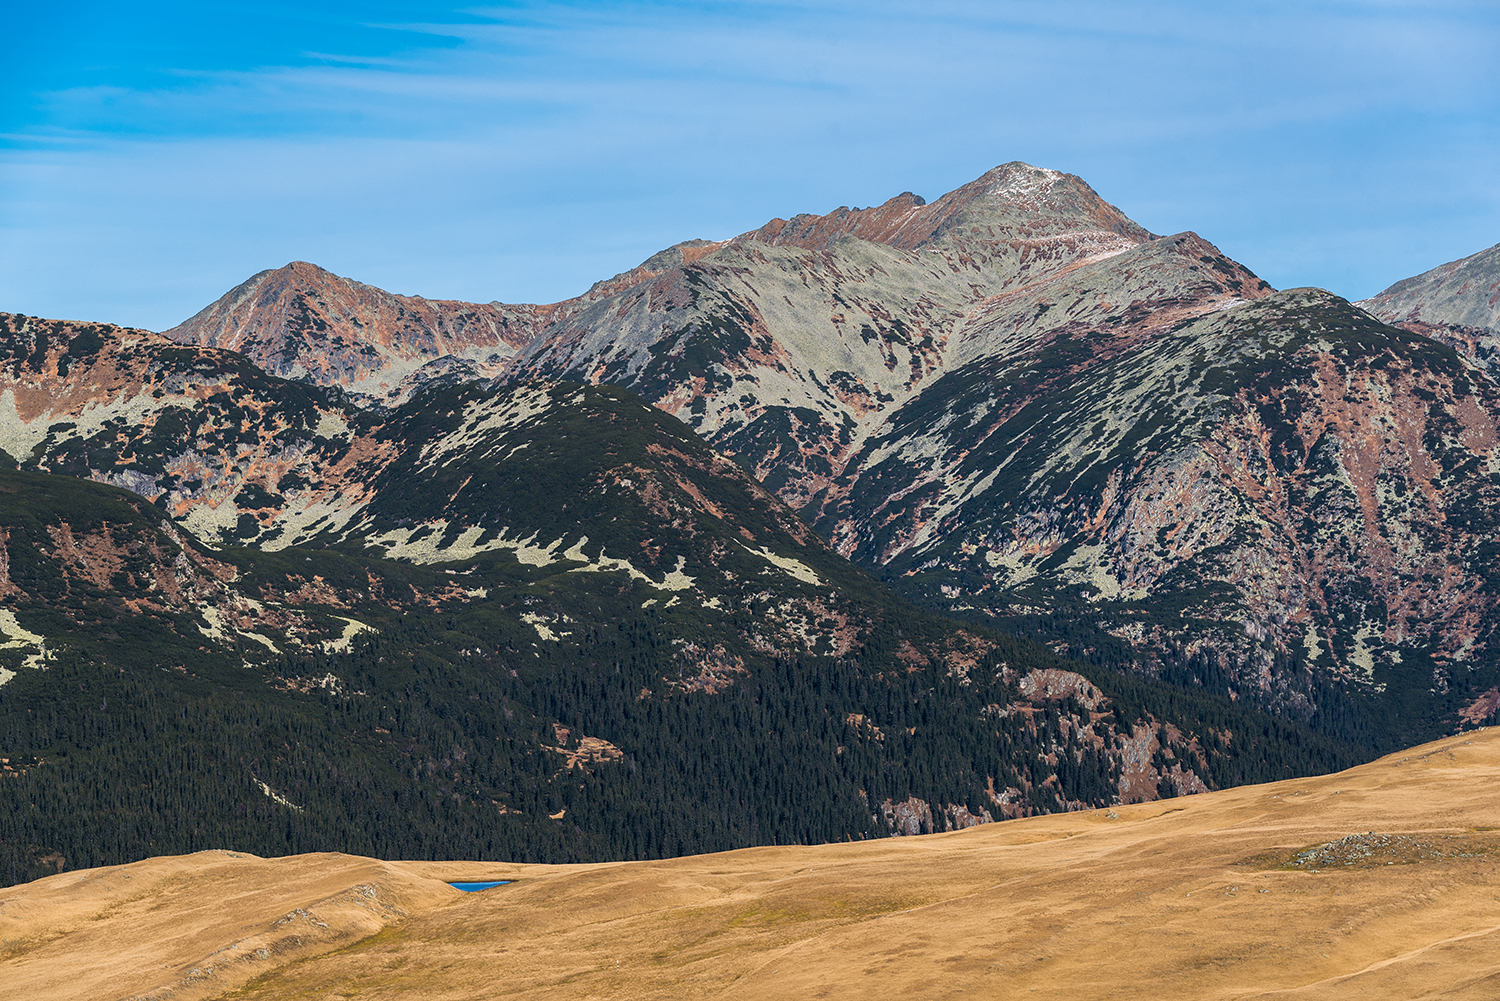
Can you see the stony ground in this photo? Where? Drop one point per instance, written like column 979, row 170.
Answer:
column 1372, row 849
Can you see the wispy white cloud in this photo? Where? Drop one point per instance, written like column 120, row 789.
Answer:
column 530, row 149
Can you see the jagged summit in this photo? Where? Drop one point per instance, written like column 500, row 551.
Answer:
column 1013, row 226
column 678, row 255
column 890, row 223
column 1011, row 210
column 786, row 346
column 1014, row 200
column 1036, row 198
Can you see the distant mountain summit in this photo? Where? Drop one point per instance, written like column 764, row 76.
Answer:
column 1014, row 199
column 1457, row 303
column 1462, row 293
column 1017, row 223
column 302, row 322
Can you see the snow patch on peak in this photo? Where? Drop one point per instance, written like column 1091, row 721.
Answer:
column 1022, row 180
column 1228, row 304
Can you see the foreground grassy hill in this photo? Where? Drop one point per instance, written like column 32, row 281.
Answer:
column 1377, row 882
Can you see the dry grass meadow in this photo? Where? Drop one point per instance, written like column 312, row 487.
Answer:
column 1224, row 895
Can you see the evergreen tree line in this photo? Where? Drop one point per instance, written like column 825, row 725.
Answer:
column 427, row 750
column 1407, row 709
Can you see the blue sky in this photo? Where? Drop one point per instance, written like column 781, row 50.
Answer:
column 154, row 154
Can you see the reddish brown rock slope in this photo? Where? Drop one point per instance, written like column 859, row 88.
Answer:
column 302, row 322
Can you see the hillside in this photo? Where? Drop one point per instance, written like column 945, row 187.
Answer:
column 1303, row 494
column 1378, row 882
column 542, row 622
column 301, row 321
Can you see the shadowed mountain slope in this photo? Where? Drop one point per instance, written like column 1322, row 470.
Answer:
column 542, row 622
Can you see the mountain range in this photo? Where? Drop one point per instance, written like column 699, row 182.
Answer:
column 733, row 548
column 540, row 621
column 1016, row 405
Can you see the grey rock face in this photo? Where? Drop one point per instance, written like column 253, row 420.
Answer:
column 1462, row 293
column 1457, row 303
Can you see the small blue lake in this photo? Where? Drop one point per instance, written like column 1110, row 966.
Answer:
column 474, row 887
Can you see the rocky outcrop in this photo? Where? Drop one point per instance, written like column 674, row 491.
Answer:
column 232, row 453
column 908, row 818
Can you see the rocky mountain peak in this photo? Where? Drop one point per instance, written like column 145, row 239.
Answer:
column 678, row 255
column 1015, row 226
column 1014, row 200
column 1462, row 293
column 1040, row 200
column 302, row 321
column 892, row 222
column 1457, row 303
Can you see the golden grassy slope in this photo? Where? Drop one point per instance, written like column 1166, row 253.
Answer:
column 1188, row 898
